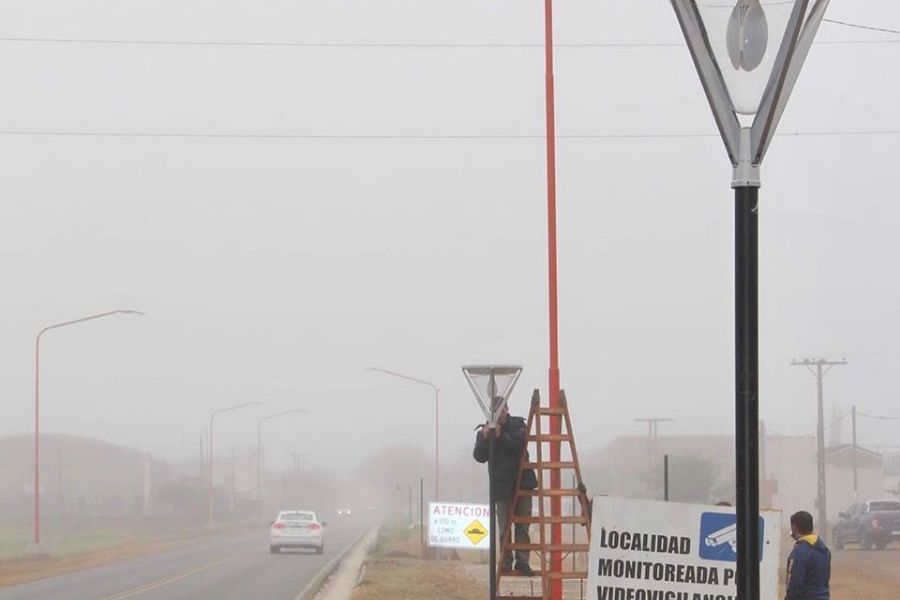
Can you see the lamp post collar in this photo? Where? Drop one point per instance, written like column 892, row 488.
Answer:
column 745, row 172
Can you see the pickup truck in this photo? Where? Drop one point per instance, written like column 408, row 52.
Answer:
column 875, row 523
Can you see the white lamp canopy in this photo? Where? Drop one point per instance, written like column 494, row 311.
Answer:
column 748, row 54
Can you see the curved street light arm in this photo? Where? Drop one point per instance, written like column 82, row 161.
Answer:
column 437, row 394
column 407, row 377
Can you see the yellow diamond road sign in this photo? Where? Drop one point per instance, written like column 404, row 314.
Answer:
column 475, row 532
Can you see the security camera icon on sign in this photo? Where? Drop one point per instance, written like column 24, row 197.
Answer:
column 718, row 536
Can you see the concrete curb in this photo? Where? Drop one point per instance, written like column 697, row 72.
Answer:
column 315, row 584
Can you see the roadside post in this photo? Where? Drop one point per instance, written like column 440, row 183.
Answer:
column 422, row 514
column 666, row 477
column 492, row 386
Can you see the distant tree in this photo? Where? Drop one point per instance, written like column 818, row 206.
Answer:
column 892, row 465
column 177, row 494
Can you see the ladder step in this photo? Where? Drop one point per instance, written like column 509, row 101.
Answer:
column 551, row 547
column 549, row 465
column 550, row 437
column 550, row 492
column 551, row 411
column 550, row 575
column 549, row 519
column 568, row 575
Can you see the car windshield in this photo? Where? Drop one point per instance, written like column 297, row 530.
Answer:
column 296, row 516
column 884, row 505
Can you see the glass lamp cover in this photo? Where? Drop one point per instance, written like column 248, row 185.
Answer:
column 745, row 36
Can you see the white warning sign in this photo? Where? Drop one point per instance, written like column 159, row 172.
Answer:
column 652, row 550
column 463, row 526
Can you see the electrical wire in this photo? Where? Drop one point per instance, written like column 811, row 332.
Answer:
column 877, row 417
column 410, row 137
column 375, row 45
column 838, row 420
column 858, row 26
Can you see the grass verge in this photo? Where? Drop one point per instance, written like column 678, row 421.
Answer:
column 396, row 570
column 94, row 549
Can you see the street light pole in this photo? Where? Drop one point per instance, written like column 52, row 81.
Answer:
column 37, row 402
column 212, row 416
column 747, row 81
column 259, row 446
column 437, row 423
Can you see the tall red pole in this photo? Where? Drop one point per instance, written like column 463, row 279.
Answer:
column 555, row 421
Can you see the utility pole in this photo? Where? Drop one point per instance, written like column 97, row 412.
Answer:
column 822, row 366
column 666, row 478
column 233, row 481
column 652, row 445
column 422, row 514
column 202, row 476
column 855, row 466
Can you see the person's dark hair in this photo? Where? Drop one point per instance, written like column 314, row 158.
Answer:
column 803, row 521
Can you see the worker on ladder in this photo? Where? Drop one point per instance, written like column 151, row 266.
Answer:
column 511, row 440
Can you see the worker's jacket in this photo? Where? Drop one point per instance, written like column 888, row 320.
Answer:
column 809, row 570
column 509, row 449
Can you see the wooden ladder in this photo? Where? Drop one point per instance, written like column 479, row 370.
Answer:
column 544, row 548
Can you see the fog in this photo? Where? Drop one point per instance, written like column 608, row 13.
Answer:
column 280, row 269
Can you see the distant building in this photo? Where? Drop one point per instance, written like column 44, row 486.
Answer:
column 631, row 466
column 79, row 477
column 871, row 482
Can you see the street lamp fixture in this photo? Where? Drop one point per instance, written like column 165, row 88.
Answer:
column 37, row 403
column 212, row 416
column 492, row 386
column 259, row 423
column 748, row 76
column 437, row 423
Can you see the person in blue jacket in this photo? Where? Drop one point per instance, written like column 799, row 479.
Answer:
column 809, row 565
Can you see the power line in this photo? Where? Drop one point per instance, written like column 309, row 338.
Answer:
column 364, row 45
column 878, row 417
column 858, row 26
column 374, row 45
column 835, row 422
column 409, row 137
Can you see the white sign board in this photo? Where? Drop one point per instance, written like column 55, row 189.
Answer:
column 653, row 550
column 465, row 526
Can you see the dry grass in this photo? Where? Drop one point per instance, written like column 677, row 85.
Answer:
column 396, row 570
column 858, row 575
column 30, row 568
column 415, row 579
column 25, row 569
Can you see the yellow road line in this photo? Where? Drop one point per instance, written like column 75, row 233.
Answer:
column 161, row 582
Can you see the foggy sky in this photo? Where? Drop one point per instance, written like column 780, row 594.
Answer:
column 279, row 269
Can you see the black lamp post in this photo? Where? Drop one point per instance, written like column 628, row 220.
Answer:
column 748, row 54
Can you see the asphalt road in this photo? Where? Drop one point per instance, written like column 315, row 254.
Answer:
column 233, row 567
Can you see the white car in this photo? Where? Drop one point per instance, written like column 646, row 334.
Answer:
column 297, row 529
